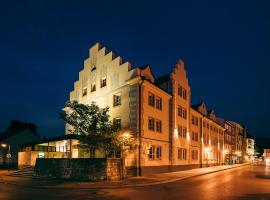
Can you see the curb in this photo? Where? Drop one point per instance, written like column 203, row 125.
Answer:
column 122, row 186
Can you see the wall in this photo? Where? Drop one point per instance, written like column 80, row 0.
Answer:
column 153, row 137
column 91, row 169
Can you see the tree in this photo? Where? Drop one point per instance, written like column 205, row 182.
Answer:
column 93, row 126
column 16, row 125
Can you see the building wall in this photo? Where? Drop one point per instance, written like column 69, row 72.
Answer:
column 103, row 64
column 153, row 137
column 195, row 136
column 180, row 142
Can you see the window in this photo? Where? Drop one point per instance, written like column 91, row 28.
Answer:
column 184, row 115
column 93, row 87
column 194, row 155
column 182, row 153
column 184, row 132
column 151, row 99
column 180, row 90
column 103, row 82
column 194, row 136
column 151, row 153
column 117, row 123
column 158, row 152
column 116, row 100
column 179, row 131
column 93, row 68
column 180, row 112
column 151, row 124
column 179, row 153
column 195, row 121
column 84, row 91
column 184, row 94
column 158, row 126
column 159, row 103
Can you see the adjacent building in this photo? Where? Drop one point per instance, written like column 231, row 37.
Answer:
column 10, row 142
column 250, row 151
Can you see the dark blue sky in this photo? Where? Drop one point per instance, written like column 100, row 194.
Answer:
column 225, row 46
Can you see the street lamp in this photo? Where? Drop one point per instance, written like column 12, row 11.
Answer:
column 8, row 155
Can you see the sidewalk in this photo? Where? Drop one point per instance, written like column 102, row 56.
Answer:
column 148, row 180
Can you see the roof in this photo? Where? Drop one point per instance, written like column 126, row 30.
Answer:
column 8, row 134
column 195, row 106
column 53, row 139
column 162, row 79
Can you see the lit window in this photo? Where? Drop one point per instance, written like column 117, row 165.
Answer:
column 158, row 126
column 159, row 103
column 117, row 123
column 116, row 100
column 151, row 99
column 103, row 82
column 93, row 87
column 158, row 152
column 151, row 153
column 84, row 91
column 151, row 124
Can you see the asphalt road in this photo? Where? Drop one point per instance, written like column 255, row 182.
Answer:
column 244, row 183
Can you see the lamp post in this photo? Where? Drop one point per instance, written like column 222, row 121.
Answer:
column 8, row 155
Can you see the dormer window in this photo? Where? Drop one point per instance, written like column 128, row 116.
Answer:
column 93, row 68
column 103, row 82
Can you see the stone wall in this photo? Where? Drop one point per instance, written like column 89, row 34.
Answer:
column 83, row 169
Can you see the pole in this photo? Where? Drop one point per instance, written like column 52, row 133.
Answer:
column 8, row 156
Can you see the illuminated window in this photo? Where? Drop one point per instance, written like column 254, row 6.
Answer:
column 117, row 123
column 84, row 91
column 93, row 87
column 103, row 82
column 151, row 99
column 159, row 103
column 116, row 100
column 158, row 126
column 151, row 153
column 151, row 124
column 158, row 152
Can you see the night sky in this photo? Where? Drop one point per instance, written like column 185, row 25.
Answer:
column 225, row 46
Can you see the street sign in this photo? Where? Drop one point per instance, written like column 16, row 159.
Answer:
column 8, row 155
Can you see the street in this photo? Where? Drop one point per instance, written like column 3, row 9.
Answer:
column 248, row 182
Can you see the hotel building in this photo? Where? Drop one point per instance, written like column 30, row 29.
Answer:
column 172, row 135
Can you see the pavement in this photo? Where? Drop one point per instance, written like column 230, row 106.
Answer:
column 149, row 180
